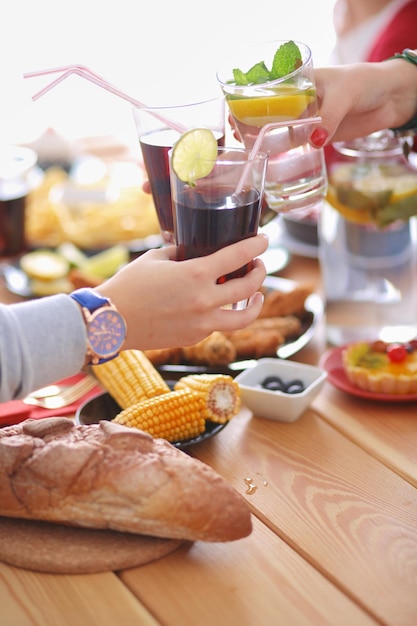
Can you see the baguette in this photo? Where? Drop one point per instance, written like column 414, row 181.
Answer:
column 113, row 477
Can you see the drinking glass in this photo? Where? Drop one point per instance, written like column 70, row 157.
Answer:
column 17, row 177
column 158, row 129
column 221, row 208
column 296, row 176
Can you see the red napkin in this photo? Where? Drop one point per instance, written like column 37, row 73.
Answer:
column 16, row 411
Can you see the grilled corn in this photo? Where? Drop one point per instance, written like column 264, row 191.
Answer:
column 220, row 392
column 130, row 378
column 175, row 416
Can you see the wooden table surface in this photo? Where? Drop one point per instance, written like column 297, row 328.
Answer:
column 335, row 528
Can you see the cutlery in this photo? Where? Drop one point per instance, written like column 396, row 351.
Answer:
column 49, row 391
column 63, row 398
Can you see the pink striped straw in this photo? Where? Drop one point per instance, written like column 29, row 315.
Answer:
column 85, row 72
column 259, row 139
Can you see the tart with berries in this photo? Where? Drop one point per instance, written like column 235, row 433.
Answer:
column 381, row 367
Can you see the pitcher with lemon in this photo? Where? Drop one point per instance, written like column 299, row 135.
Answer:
column 273, row 82
column 367, row 235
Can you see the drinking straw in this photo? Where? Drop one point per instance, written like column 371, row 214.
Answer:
column 88, row 74
column 264, row 130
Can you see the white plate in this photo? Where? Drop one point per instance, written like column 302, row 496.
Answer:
column 278, row 236
column 275, row 259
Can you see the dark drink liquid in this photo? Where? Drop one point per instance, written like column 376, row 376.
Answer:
column 12, row 226
column 209, row 218
column 155, row 147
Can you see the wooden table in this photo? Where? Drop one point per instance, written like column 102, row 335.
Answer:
column 335, row 529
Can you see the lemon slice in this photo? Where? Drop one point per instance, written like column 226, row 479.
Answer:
column 273, row 108
column 194, row 154
column 42, row 288
column 44, row 265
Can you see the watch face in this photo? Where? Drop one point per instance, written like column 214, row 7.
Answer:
column 106, row 332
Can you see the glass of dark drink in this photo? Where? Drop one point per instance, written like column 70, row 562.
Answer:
column 220, row 208
column 158, row 129
column 16, row 180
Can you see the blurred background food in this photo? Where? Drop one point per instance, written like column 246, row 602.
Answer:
column 66, row 267
column 94, row 206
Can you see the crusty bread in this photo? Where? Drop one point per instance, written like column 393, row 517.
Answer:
column 109, row 476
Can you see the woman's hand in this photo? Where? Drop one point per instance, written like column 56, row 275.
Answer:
column 169, row 303
column 356, row 100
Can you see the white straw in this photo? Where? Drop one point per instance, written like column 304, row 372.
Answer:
column 264, row 130
column 88, row 74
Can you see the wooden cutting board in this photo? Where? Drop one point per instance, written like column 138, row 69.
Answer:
column 57, row 549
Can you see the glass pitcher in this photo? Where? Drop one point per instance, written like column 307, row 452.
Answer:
column 367, row 241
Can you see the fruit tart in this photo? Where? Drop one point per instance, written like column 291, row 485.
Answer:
column 381, row 367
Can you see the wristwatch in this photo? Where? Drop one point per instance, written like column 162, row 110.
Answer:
column 106, row 327
column 410, row 128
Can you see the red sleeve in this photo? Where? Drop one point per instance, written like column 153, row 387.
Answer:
column 400, row 33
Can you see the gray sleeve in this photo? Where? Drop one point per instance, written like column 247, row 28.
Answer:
column 41, row 341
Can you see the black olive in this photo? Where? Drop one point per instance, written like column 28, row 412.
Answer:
column 295, row 386
column 273, row 383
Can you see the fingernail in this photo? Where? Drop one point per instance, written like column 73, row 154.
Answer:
column 319, row 137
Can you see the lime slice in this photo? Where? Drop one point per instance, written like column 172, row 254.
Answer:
column 74, row 255
column 194, row 154
column 44, row 265
column 106, row 263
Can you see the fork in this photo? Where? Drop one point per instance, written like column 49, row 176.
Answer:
column 66, row 397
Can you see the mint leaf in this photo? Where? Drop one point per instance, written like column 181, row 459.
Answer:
column 287, row 58
column 258, row 74
column 239, row 77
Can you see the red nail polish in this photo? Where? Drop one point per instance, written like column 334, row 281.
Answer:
column 319, row 137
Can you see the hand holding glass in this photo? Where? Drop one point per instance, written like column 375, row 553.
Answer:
column 218, row 209
column 296, row 175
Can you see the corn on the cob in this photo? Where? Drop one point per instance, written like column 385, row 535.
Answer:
column 130, row 378
column 174, row 416
column 221, row 394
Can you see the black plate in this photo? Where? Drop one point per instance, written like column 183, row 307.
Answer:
column 104, row 407
column 312, row 317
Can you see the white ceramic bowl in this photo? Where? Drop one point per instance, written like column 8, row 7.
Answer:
column 277, row 405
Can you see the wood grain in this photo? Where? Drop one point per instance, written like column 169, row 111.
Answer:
column 388, row 431
column 258, row 581
column 35, row 599
column 319, row 492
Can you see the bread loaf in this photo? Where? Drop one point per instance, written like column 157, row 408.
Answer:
column 112, row 477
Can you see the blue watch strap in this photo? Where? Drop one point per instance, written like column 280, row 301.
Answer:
column 89, row 299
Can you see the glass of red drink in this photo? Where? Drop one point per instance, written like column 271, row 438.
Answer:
column 221, row 208
column 158, row 129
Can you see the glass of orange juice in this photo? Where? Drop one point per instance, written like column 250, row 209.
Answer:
column 273, row 82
